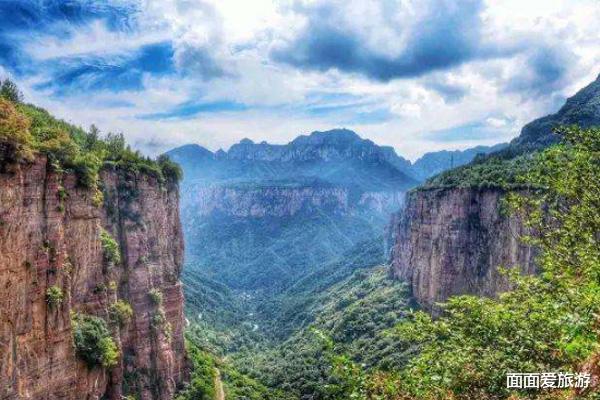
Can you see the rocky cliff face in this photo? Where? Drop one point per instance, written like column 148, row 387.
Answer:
column 50, row 237
column 284, row 201
column 453, row 241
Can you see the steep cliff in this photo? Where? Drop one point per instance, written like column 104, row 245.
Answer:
column 61, row 267
column 278, row 200
column 263, row 200
column 453, row 241
column 452, row 236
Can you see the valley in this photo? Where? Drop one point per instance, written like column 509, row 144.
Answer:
column 290, row 265
column 321, row 269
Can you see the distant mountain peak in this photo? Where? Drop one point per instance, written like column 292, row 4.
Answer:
column 190, row 151
column 333, row 136
column 581, row 109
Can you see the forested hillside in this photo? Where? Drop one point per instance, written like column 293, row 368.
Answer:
column 352, row 327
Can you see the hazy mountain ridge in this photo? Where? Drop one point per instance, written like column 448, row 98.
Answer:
column 582, row 109
column 339, row 156
column 432, row 163
column 315, row 155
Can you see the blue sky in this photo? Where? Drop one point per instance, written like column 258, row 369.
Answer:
column 417, row 75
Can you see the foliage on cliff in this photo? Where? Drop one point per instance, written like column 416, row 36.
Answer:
column 548, row 323
column 93, row 341
column 26, row 130
column 110, row 247
column 486, row 172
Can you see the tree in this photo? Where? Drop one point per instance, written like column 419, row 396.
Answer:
column 10, row 91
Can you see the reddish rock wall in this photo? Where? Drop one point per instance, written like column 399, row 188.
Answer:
column 453, row 241
column 49, row 236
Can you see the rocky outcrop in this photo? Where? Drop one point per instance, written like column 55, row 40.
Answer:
column 260, row 200
column 50, row 237
column 453, row 241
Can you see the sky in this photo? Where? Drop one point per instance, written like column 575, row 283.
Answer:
column 416, row 75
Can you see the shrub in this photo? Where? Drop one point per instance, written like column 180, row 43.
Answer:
column 14, row 130
column 156, row 296
column 97, row 198
column 159, row 321
column 93, row 342
column 159, row 318
column 110, row 247
column 121, row 312
column 57, row 145
column 54, row 296
column 86, row 167
column 99, row 288
column 171, row 171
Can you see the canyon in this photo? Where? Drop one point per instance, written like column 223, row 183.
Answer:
column 278, row 237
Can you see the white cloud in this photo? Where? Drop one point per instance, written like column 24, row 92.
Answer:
column 238, row 36
column 94, row 39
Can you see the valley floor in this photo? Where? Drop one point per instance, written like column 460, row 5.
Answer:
column 278, row 343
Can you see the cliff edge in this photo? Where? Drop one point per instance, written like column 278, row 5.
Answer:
column 74, row 266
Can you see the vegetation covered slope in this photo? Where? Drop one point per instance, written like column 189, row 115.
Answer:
column 501, row 168
column 488, row 172
column 548, row 323
column 356, row 313
column 271, row 252
column 28, row 130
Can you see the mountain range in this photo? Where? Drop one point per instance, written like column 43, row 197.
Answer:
column 262, row 215
column 332, row 155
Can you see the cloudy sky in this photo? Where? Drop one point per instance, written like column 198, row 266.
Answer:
column 417, row 75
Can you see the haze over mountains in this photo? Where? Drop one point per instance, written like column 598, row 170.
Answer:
column 581, row 109
column 326, row 155
column 260, row 215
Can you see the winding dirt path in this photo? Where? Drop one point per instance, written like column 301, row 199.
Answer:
column 219, row 391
